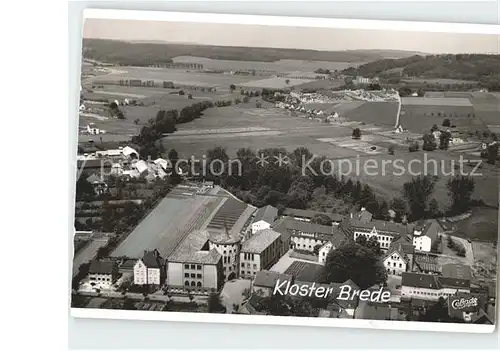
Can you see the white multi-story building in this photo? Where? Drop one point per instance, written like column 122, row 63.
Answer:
column 425, row 233
column 194, row 266
column 150, row 269
column 259, row 252
column 324, row 251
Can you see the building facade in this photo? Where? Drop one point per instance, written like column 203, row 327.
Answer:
column 259, row 252
column 102, row 274
column 431, row 287
column 150, row 269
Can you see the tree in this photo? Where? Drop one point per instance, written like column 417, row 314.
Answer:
column 444, row 140
column 434, row 210
column 446, row 122
column 356, row 133
column 492, row 153
column 414, row 147
column 460, row 189
column 354, row 261
column 84, row 188
column 417, row 192
column 287, row 81
column 258, row 104
column 434, row 128
column 246, row 99
column 391, row 150
column 190, row 96
column 232, row 87
column 182, row 92
column 215, row 303
column 316, row 249
column 322, row 219
column 429, row 142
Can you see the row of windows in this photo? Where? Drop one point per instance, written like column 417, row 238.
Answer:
column 417, row 292
column 248, row 256
column 394, row 264
column 104, row 279
column 197, row 284
column 249, row 273
column 192, row 266
column 192, row 275
column 248, row 265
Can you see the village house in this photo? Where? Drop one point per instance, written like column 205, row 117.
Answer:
column 150, row 269
column 264, row 217
column 194, row 266
column 260, row 251
column 228, row 246
column 324, row 250
column 398, row 258
column 102, row 274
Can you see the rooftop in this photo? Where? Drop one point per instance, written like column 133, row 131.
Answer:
column 260, row 241
column 305, row 271
column 267, row 214
column 457, row 271
column 431, row 281
column 222, row 237
column 427, row 263
column 152, row 259
column 294, row 212
column 102, row 267
column 194, row 249
column 268, row 279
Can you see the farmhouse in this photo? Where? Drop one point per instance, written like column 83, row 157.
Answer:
column 264, row 217
column 431, row 287
column 150, row 269
column 102, row 274
column 324, row 250
column 193, row 265
column 259, row 252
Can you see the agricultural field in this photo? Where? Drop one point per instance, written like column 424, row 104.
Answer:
column 482, row 225
column 178, row 77
column 381, row 113
column 159, row 229
column 277, row 66
column 487, row 108
column 275, row 83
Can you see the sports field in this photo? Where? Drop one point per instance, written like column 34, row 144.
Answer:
column 168, row 224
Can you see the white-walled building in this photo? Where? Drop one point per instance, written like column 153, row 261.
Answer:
column 259, row 252
column 425, row 233
column 396, row 261
column 150, row 269
column 431, row 287
column 102, row 274
column 324, row 251
column 194, row 266
column 264, row 217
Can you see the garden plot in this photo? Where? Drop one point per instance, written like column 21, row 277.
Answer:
column 356, row 145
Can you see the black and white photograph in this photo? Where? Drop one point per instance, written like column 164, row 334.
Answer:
column 343, row 174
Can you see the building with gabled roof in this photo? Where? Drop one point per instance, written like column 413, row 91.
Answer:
column 102, row 273
column 194, row 265
column 260, row 251
column 396, row 260
column 150, row 269
column 307, row 235
column 425, row 233
column 264, row 217
column 265, row 281
column 308, row 215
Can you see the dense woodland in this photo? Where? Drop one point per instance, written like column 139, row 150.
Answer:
column 145, row 54
column 473, row 67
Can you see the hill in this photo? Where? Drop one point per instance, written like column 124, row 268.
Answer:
column 147, row 53
column 474, row 67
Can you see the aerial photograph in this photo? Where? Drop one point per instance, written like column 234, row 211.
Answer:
column 287, row 171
